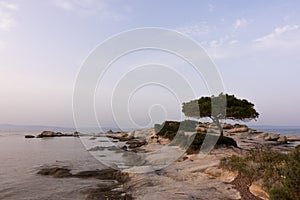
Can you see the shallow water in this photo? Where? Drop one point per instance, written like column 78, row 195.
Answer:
column 21, row 159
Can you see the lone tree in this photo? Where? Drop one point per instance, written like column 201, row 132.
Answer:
column 236, row 109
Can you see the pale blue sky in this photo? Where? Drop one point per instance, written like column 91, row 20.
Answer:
column 254, row 44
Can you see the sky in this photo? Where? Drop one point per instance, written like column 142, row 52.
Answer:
column 255, row 46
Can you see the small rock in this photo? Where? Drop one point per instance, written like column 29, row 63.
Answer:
column 29, row 136
column 76, row 134
column 124, row 148
column 256, row 189
column 214, row 171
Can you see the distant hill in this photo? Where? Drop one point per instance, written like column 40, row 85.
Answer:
column 38, row 128
column 12, row 127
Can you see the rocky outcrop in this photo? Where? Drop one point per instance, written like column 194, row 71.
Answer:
column 282, row 140
column 272, row 137
column 57, row 134
column 292, row 138
column 239, row 129
column 104, row 190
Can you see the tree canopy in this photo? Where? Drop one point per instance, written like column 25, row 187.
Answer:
column 236, row 109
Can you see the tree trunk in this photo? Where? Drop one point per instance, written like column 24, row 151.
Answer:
column 217, row 122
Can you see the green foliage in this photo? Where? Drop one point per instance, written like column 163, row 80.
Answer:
column 199, row 139
column 236, row 109
column 169, row 129
column 280, row 172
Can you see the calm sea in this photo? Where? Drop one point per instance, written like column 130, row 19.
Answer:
column 22, row 158
column 279, row 129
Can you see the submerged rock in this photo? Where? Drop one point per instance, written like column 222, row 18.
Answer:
column 56, row 172
column 29, row 136
column 112, row 189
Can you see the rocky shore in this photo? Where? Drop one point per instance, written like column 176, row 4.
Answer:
column 188, row 177
column 193, row 177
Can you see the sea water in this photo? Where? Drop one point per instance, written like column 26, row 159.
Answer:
column 21, row 159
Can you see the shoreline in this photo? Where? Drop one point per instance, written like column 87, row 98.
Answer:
column 189, row 176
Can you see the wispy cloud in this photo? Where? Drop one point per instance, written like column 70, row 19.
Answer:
column 88, row 7
column 216, row 43
column 6, row 15
column 286, row 37
column 277, row 33
column 239, row 23
column 197, row 29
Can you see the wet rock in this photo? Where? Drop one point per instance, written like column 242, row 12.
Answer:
column 56, row 172
column 106, row 190
column 107, row 174
column 124, row 148
column 76, row 134
column 106, row 193
column 29, row 136
column 97, row 148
